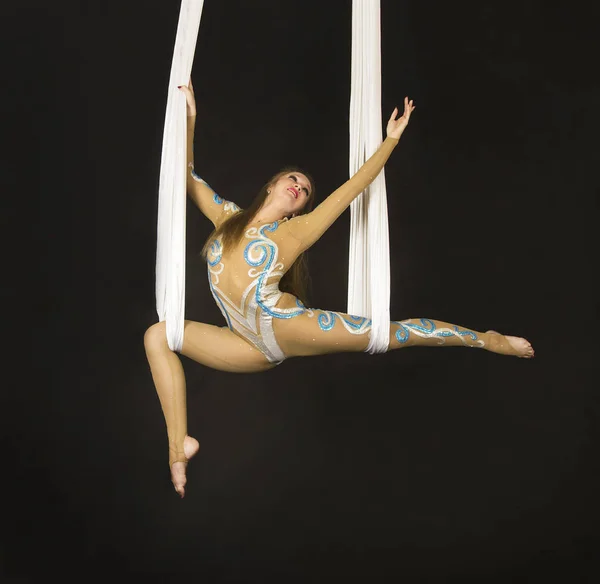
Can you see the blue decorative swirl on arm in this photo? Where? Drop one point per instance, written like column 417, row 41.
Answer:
column 218, row 200
column 197, row 177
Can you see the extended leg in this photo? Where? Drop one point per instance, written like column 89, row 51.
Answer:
column 213, row 346
column 435, row 333
column 317, row 332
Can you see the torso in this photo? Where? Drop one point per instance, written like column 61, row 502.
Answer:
column 245, row 280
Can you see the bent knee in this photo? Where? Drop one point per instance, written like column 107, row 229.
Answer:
column 155, row 336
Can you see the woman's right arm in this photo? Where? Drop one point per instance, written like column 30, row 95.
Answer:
column 310, row 227
column 205, row 198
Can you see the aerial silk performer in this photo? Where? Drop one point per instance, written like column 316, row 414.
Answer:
column 256, row 268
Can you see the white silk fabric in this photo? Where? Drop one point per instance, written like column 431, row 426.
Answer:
column 369, row 270
column 171, row 232
column 369, row 257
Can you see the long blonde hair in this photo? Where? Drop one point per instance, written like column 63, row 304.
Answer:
column 296, row 280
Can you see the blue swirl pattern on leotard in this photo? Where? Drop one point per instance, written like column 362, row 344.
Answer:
column 215, row 253
column 215, row 267
column 252, row 317
column 229, row 206
column 263, row 252
column 427, row 328
column 195, row 176
column 353, row 324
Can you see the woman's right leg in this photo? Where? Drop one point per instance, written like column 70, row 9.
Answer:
column 215, row 347
column 317, row 332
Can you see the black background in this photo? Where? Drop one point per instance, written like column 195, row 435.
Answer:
column 415, row 466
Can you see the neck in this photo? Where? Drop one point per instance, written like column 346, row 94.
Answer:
column 268, row 214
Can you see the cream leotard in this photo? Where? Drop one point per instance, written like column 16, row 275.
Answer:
column 244, row 280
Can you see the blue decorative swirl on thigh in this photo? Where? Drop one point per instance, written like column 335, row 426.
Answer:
column 353, row 324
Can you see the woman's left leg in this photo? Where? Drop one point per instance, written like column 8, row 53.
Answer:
column 209, row 345
column 317, row 332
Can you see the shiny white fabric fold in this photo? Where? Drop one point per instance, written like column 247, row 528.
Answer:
column 171, row 227
column 369, row 261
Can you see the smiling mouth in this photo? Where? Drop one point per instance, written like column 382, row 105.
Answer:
column 294, row 192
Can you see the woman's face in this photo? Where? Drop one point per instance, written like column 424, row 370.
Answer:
column 293, row 190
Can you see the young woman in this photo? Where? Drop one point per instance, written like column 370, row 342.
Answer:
column 256, row 272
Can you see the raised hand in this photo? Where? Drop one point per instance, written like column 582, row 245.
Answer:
column 190, row 98
column 395, row 127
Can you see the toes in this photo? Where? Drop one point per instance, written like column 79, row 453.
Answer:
column 179, row 488
column 178, row 477
column 528, row 350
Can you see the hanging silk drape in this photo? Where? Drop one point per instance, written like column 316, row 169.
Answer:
column 369, row 261
column 369, row 279
column 171, row 232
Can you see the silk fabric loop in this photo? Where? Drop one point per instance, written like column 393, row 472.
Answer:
column 369, row 257
column 171, row 224
column 369, row 264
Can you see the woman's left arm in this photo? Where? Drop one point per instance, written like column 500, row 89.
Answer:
column 309, row 228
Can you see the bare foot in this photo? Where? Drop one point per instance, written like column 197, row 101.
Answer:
column 178, row 478
column 506, row 345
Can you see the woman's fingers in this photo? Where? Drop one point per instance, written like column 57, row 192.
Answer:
column 189, row 97
column 408, row 107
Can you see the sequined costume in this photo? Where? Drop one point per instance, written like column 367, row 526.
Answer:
column 244, row 280
column 264, row 324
